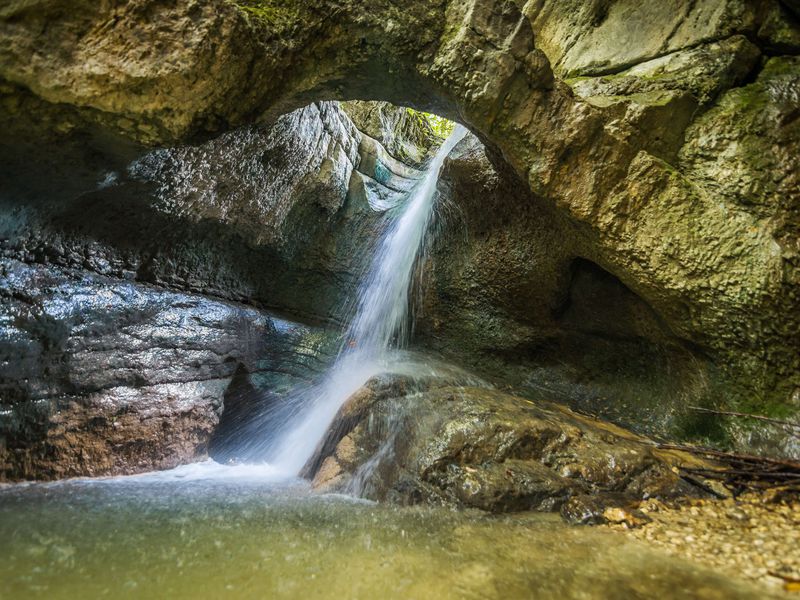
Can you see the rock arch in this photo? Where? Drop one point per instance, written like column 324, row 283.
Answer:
column 601, row 108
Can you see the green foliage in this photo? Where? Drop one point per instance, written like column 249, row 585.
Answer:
column 439, row 125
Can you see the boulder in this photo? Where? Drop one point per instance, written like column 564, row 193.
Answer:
column 101, row 376
column 408, row 441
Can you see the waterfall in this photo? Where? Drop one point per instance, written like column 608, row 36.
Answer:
column 380, row 322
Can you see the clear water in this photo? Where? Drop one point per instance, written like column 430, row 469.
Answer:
column 380, row 324
column 220, row 532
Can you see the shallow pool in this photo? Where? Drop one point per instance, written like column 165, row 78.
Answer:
column 216, row 532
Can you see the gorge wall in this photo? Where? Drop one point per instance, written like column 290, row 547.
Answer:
column 135, row 310
column 627, row 241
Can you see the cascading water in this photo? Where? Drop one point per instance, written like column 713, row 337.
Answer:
column 380, row 322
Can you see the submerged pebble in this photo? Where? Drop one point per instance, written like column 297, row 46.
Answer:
column 751, row 536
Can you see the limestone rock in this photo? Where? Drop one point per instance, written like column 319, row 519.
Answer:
column 410, row 442
column 594, row 38
column 703, row 70
column 403, row 133
column 780, row 27
column 278, row 215
column 741, row 149
column 516, row 292
column 101, row 376
column 717, row 271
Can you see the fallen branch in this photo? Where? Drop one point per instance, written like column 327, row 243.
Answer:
column 728, row 456
column 784, row 576
column 729, row 413
column 754, row 474
column 703, row 485
column 742, row 471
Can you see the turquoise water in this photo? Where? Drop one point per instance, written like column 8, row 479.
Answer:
column 194, row 536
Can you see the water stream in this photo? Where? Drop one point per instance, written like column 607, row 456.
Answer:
column 380, row 324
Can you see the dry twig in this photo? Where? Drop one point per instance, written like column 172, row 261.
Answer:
column 744, row 471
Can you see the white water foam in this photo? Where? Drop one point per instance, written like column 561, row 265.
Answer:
column 380, row 322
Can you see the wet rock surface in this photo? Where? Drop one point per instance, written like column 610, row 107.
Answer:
column 653, row 144
column 509, row 293
column 410, row 442
column 101, row 376
column 281, row 215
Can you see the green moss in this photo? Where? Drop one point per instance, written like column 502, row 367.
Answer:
column 756, row 96
column 750, row 98
column 781, row 66
column 278, row 14
column 703, row 429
